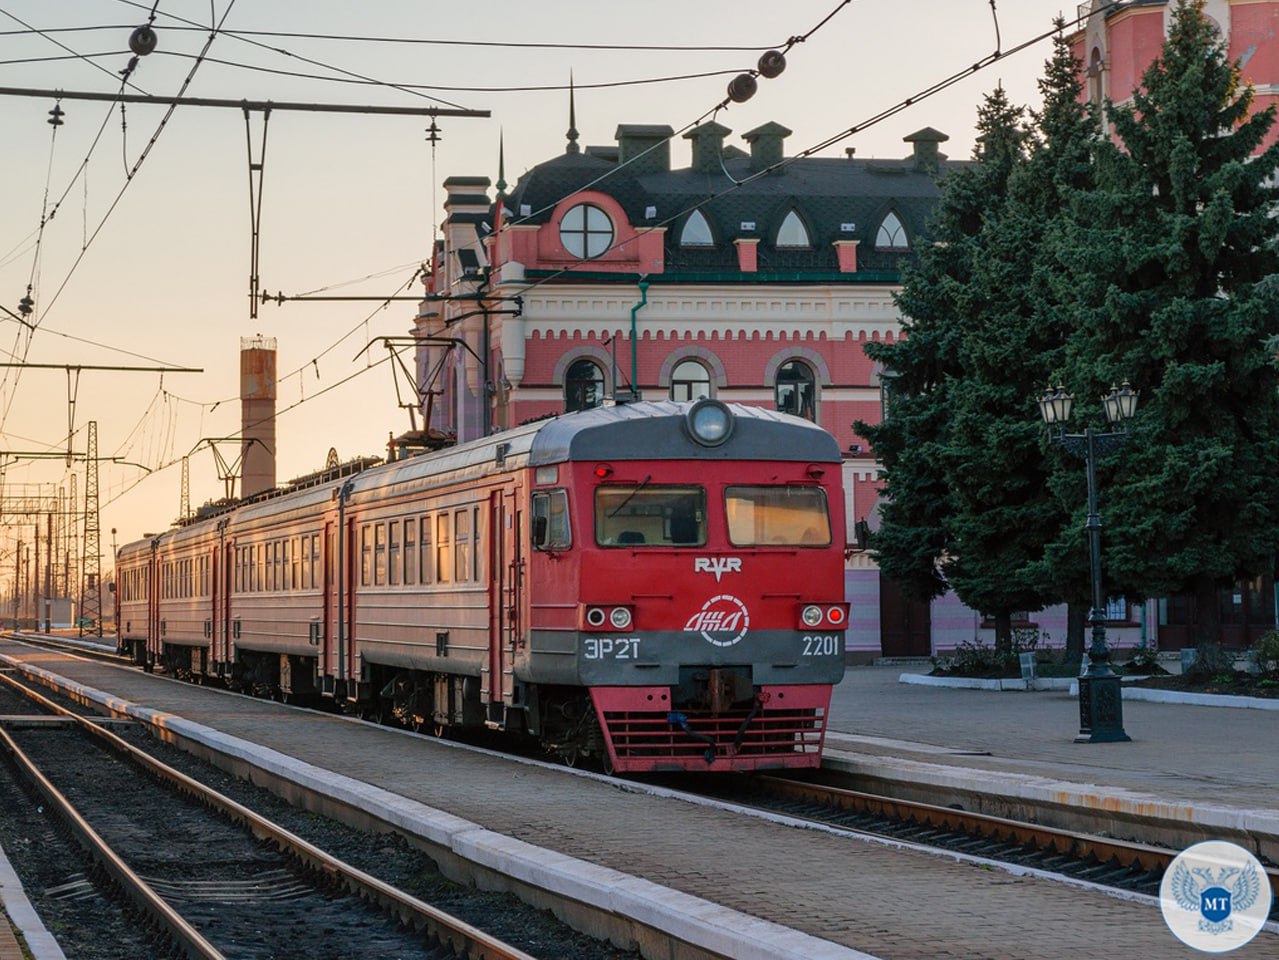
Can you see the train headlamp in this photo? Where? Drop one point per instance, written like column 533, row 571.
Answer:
column 811, row 615
column 709, row 422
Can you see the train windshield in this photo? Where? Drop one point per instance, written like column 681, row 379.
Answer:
column 634, row 515
column 789, row 516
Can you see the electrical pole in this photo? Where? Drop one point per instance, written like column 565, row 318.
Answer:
column 91, row 593
column 48, row 575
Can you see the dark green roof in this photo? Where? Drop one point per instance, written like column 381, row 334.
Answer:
column 837, row 199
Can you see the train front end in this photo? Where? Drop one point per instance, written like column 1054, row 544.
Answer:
column 696, row 572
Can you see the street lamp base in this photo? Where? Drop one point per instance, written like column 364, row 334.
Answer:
column 1101, row 710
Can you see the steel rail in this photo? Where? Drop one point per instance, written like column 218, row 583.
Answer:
column 1065, row 842
column 137, row 889
column 464, row 939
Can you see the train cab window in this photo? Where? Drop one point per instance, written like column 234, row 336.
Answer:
column 443, row 548
column 640, row 515
column 393, row 567
column 784, row 515
column 410, row 552
column 550, row 520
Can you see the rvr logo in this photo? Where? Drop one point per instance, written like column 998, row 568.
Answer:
column 717, row 565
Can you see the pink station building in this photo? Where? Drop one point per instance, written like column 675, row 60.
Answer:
column 606, row 273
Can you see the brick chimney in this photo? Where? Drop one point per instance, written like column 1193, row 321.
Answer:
column 257, row 415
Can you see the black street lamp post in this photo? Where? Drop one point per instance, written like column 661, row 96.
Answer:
column 1101, row 710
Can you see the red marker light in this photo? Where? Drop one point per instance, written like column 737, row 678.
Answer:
column 603, row 471
column 835, row 615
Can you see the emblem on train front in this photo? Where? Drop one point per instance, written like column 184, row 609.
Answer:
column 1215, row 896
column 723, row 620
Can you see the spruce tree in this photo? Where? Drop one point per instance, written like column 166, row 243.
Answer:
column 911, row 442
column 1170, row 267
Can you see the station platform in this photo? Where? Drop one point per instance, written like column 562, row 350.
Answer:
column 1211, row 768
column 741, row 886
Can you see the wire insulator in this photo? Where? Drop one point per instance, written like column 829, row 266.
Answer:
column 771, row 64
column 143, row 40
column 742, row 87
column 56, row 115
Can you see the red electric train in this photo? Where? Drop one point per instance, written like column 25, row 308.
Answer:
column 657, row 586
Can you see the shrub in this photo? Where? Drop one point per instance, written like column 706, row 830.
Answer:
column 1266, row 651
column 1144, row 659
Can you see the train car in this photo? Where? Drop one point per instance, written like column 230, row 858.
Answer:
column 655, row 586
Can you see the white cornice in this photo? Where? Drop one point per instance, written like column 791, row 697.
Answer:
column 725, row 311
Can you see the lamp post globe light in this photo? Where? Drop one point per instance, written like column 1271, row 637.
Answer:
column 1101, row 713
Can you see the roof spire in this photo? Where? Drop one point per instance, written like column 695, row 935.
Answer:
column 572, row 146
column 501, row 162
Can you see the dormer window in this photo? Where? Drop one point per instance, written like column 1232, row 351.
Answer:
column 792, row 232
column 696, row 232
column 586, row 231
column 892, row 234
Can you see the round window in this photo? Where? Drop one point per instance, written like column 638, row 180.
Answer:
column 586, row 231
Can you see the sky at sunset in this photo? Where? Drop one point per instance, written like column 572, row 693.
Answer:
column 349, row 201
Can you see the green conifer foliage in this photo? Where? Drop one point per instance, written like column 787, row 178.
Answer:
column 1169, row 267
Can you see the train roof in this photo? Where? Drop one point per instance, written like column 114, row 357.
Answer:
column 643, row 431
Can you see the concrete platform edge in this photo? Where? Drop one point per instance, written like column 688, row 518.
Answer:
column 39, row 940
column 1205, row 818
column 699, row 922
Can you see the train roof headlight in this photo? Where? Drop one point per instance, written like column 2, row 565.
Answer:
column 710, row 422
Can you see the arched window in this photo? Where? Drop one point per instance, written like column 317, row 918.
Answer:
column 690, row 381
column 696, row 232
column 1095, row 67
column 796, row 389
column 792, row 232
column 892, row 234
column 586, row 231
column 583, row 386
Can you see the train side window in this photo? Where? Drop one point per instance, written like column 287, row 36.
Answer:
column 379, row 554
column 462, row 545
column 393, row 567
column 295, row 567
column 551, row 530
column 782, row 515
column 480, row 552
column 425, row 556
column 366, row 556
column 638, row 515
column 410, row 552
column 443, row 549
column 304, row 561
column 316, row 569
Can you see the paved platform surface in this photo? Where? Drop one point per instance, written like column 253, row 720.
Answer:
column 889, row 902
column 1179, row 752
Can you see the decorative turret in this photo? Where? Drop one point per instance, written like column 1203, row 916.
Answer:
column 928, row 157
column 766, row 145
column 646, row 147
column 708, row 146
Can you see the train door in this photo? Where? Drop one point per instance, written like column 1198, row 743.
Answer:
column 505, row 572
column 153, row 608
column 328, row 628
column 222, row 634
column 215, row 600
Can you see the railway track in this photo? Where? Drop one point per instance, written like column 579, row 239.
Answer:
column 1122, row 864
column 214, row 878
